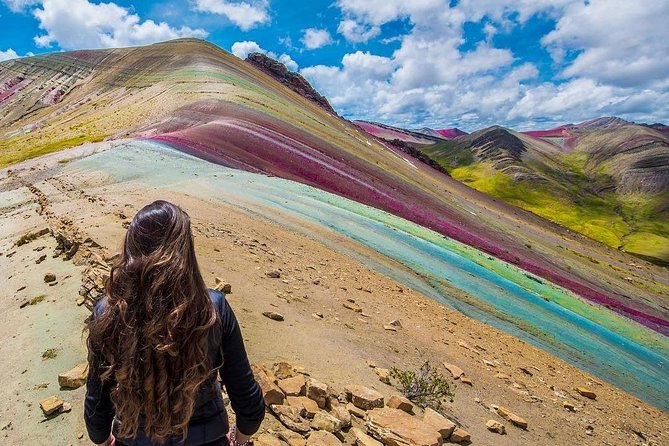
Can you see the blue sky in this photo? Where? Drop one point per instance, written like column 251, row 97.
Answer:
column 438, row 63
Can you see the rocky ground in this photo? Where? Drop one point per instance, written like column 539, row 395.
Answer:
column 336, row 319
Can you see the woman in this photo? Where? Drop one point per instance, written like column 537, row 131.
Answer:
column 158, row 342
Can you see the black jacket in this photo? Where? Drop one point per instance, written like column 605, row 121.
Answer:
column 209, row 421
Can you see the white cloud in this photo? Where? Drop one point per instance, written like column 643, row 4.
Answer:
column 618, row 42
column 245, row 14
column 8, row 54
column 74, row 24
column 246, row 47
column 355, row 32
column 617, row 49
column 19, row 5
column 314, row 38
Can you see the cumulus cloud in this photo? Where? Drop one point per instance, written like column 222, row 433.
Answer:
column 314, row 38
column 245, row 14
column 246, row 47
column 19, row 5
column 73, row 24
column 618, row 42
column 8, row 54
column 611, row 59
column 355, row 32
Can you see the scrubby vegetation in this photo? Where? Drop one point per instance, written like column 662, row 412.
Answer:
column 426, row 387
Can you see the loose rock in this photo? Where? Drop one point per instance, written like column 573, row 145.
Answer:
column 512, row 417
column 273, row 315
column 292, row 438
column 456, row 371
column 272, row 394
column 266, row 440
column 363, row 397
column 49, row 277
column 294, row 386
column 586, row 393
column 323, row 438
column 383, row 374
column 401, row 403
column 343, row 415
column 323, row 421
column 318, row 392
column 302, row 402
column 274, row 274
column 291, row 417
column 460, row 435
column 495, row 426
column 440, row 423
column 362, row 439
column 355, row 411
column 75, row 378
column 396, row 427
column 50, row 405
column 353, row 307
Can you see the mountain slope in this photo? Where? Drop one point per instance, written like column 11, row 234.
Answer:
column 605, row 178
column 204, row 101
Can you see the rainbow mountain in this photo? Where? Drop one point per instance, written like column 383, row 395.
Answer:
column 571, row 295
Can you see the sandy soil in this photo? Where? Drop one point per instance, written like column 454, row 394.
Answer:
column 240, row 248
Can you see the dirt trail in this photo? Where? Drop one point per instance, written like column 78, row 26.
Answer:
column 241, row 249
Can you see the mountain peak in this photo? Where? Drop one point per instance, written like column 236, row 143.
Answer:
column 292, row 80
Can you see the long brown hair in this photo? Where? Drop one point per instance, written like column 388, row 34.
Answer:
column 152, row 335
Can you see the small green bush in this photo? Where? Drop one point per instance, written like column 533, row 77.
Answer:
column 50, row 353
column 426, row 387
column 37, row 299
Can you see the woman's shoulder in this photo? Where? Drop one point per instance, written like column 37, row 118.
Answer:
column 100, row 307
column 218, row 299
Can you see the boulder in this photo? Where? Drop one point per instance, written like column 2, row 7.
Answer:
column 495, row 426
column 291, row 417
column 586, row 393
column 50, row 405
column 318, row 392
column 309, row 406
column 512, row 417
column 323, row 438
column 294, row 386
column 362, row 439
column 402, row 403
column 394, row 427
column 270, row 391
column 442, row 424
column 75, row 378
column 363, row 397
column 323, row 421
column 49, row 277
column 460, row 435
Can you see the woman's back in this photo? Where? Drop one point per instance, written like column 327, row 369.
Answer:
column 157, row 341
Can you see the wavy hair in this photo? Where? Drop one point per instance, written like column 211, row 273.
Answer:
column 152, row 335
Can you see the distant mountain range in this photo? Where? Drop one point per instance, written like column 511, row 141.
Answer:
column 606, row 178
